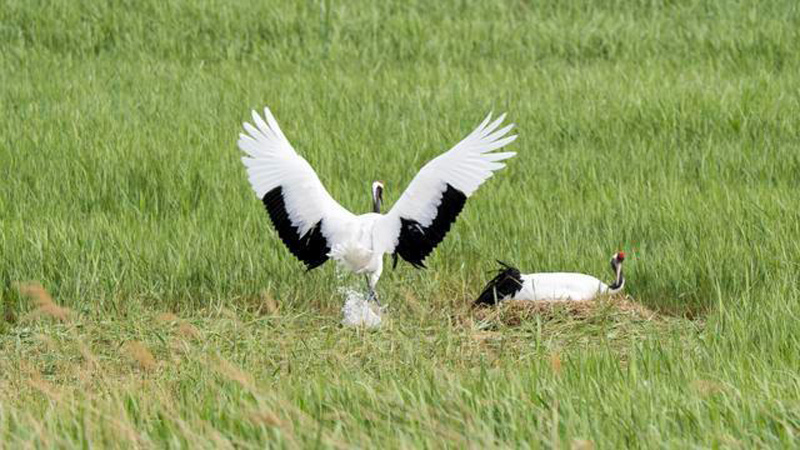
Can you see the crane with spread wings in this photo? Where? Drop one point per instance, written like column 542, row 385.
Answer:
column 314, row 227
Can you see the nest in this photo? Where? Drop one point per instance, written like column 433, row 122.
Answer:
column 515, row 312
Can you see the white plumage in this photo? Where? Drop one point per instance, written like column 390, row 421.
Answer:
column 560, row 286
column 510, row 284
column 315, row 227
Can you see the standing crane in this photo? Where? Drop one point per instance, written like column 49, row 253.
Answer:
column 314, row 227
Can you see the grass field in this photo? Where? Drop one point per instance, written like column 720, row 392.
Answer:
column 668, row 129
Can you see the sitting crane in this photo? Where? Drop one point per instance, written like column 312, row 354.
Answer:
column 510, row 284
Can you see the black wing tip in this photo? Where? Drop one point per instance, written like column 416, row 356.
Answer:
column 312, row 248
column 415, row 243
column 507, row 282
column 417, row 264
column 313, row 265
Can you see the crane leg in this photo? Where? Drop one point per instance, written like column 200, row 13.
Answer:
column 373, row 296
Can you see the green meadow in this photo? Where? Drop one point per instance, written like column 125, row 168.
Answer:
column 667, row 129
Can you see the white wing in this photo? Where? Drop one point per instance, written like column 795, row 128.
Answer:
column 308, row 220
column 424, row 213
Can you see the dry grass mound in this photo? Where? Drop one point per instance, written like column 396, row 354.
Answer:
column 615, row 309
column 606, row 323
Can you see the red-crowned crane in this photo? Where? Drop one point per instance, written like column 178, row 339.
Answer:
column 315, row 227
column 510, row 284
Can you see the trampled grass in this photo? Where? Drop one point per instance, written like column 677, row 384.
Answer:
column 669, row 130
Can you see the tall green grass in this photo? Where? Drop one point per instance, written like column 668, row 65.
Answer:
column 668, row 129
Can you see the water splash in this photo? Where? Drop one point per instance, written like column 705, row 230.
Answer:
column 358, row 311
